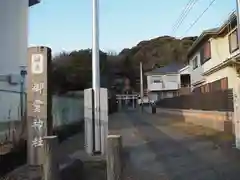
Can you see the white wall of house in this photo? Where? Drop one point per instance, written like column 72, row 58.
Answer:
column 196, row 73
column 228, row 72
column 219, row 53
column 163, row 82
column 233, row 78
column 151, row 86
column 157, row 95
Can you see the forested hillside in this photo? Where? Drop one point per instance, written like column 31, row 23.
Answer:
column 72, row 71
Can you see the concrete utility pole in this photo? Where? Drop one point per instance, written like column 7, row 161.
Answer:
column 96, row 73
column 237, row 87
column 238, row 18
column 141, row 81
column 95, row 98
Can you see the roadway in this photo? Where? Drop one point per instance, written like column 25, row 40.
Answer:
column 161, row 147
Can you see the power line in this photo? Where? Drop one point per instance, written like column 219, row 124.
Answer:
column 200, row 16
column 192, row 3
column 183, row 15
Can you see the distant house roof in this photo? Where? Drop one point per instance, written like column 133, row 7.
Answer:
column 212, row 32
column 172, row 68
column 33, row 2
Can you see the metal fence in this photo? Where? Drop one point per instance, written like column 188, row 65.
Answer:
column 213, row 101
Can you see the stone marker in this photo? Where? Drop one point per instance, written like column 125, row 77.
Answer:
column 114, row 157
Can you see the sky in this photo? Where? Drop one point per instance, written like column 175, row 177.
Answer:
column 66, row 25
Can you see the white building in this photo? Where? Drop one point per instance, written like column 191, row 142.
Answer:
column 13, row 53
column 167, row 81
column 213, row 58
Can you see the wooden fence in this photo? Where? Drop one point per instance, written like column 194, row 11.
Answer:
column 213, row 101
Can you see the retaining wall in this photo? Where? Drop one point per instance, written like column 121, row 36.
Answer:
column 221, row 121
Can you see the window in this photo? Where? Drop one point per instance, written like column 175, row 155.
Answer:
column 195, row 62
column 205, row 52
column 233, row 41
column 156, row 81
column 224, row 83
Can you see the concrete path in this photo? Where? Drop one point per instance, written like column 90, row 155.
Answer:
column 157, row 149
column 69, row 151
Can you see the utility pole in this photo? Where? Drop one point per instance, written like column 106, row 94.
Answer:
column 238, row 19
column 237, row 87
column 96, row 74
column 141, row 83
column 96, row 98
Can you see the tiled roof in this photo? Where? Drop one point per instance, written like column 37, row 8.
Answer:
column 168, row 69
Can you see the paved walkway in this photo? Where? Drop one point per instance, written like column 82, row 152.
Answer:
column 158, row 149
column 69, row 151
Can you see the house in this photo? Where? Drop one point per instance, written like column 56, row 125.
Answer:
column 13, row 53
column 214, row 58
column 168, row 81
